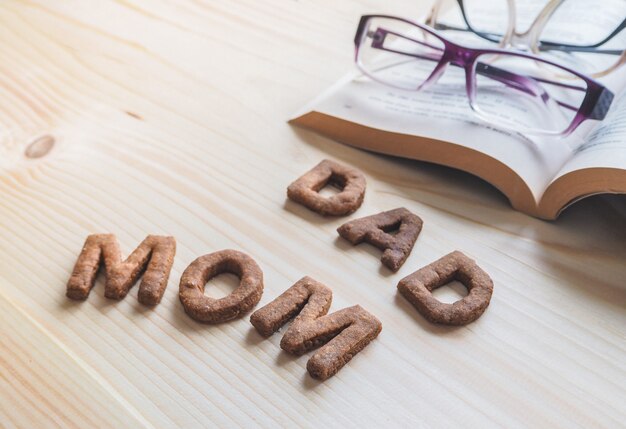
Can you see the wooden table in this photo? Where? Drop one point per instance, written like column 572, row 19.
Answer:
column 138, row 118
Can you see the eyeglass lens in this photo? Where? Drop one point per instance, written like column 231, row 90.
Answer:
column 510, row 90
column 398, row 53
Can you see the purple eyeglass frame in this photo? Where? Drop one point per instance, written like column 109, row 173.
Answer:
column 595, row 104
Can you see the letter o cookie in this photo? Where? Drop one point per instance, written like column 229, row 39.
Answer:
column 210, row 310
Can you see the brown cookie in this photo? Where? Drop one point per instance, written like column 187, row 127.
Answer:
column 210, row 310
column 375, row 230
column 155, row 256
column 417, row 289
column 306, row 299
column 306, row 189
column 345, row 332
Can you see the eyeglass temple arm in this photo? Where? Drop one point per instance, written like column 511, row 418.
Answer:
column 525, row 84
column 615, row 32
column 379, row 36
column 513, row 80
column 548, row 46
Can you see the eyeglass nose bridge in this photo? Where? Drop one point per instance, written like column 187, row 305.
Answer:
column 459, row 57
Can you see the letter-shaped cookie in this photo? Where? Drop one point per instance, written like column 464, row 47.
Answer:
column 417, row 289
column 305, row 190
column 210, row 310
column 375, row 231
column 155, row 256
column 346, row 331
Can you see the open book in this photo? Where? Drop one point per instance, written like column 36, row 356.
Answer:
column 539, row 175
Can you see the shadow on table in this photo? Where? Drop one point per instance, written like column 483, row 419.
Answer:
column 97, row 299
column 307, row 214
column 344, row 245
column 408, row 309
column 584, row 248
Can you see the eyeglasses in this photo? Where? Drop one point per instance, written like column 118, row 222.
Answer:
column 583, row 33
column 510, row 89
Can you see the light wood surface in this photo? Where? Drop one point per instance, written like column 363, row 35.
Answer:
column 155, row 117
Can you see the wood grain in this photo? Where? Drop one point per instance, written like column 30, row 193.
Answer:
column 170, row 118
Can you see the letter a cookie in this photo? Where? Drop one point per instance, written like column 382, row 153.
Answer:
column 376, row 229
